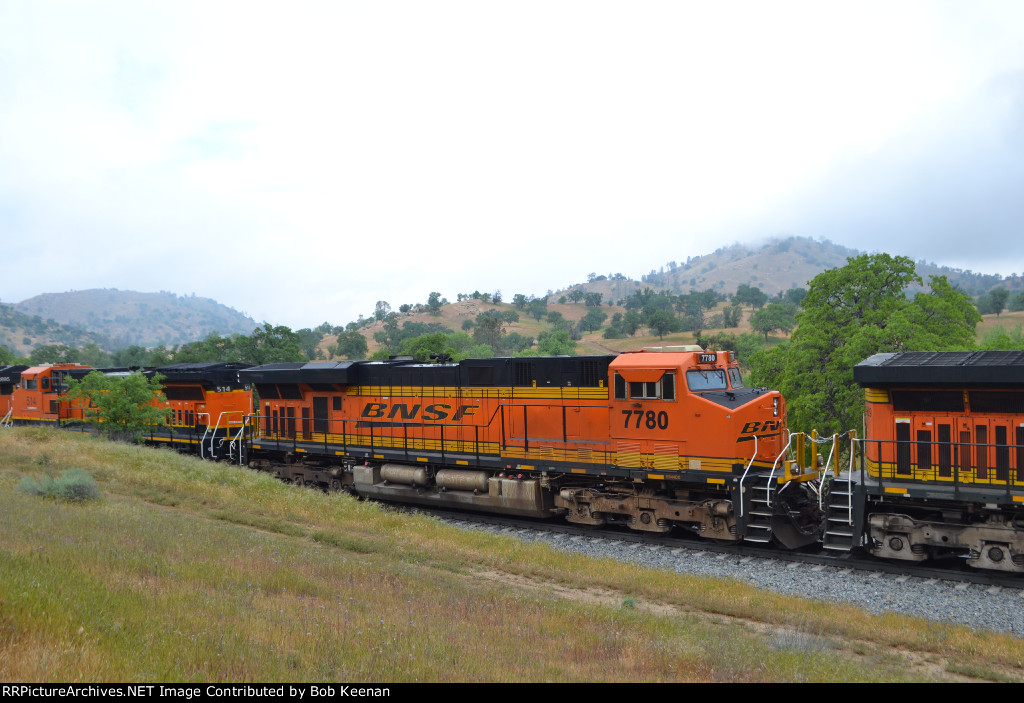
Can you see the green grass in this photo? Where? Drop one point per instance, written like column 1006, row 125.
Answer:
column 185, row 570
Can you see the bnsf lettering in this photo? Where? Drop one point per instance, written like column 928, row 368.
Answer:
column 758, row 426
column 404, row 411
column 433, row 412
column 402, row 408
column 374, row 409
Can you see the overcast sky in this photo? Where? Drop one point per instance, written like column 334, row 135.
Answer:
column 300, row 161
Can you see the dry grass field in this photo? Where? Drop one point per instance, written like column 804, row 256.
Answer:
column 183, row 570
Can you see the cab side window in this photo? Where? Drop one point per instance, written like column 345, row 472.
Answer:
column 662, row 389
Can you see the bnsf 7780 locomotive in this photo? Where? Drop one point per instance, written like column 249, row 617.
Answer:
column 649, row 439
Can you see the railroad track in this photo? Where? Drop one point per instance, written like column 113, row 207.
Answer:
column 949, row 571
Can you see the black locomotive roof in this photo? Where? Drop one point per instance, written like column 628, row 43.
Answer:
column 217, row 374
column 301, row 372
column 12, row 372
column 948, row 368
column 542, row 371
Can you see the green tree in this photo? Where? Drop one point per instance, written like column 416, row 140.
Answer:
column 1016, row 303
column 751, row 295
column 993, row 302
column 850, row 313
column 133, row 356
column 552, row 343
column 662, row 322
column 537, row 308
column 795, row 296
column 488, row 331
column 513, row 343
column 434, row 303
column 774, row 316
column 593, row 320
column 159, row 356
column 731, row 316
column 350, row 345
column 309, row 341
column 631, row 322
column 270, row 344
column 420, row 348
column 123, row 406
column 53, row 354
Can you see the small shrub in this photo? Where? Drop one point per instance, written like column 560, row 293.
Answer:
column 629, row 602
column 72, row 485
column 799, row 638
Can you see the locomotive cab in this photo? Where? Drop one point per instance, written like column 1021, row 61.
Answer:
column 37, row 396
column 660, row 398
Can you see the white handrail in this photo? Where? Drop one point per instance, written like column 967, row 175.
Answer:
column 744, row 477
column 205, row 432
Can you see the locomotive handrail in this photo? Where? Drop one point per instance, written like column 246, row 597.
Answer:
column 227, row 428
column 205, row 432
column 776, row 463
column 854, row 440
column 744, row 476
column 959, row 466
column 240, row 438
column 6, row 421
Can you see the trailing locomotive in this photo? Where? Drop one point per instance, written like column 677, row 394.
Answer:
column 36, row 394
column 941, row 469
column 653, row 439
column 208, row 409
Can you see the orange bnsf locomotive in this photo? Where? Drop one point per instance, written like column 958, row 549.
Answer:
column 651, row 439
column 35, row 394
column 208, row 409
column 941, row 470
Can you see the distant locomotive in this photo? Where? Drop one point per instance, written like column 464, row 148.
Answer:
column 209, row 410
column 941, row 468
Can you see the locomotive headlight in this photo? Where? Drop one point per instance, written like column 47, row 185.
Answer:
column 775, row 406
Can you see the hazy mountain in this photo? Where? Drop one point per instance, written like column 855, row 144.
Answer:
column 774, row 266
column 145, row 319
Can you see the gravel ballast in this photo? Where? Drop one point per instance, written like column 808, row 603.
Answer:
column 979, row 607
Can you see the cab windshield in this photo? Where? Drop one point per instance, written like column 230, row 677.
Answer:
column 706, row 380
